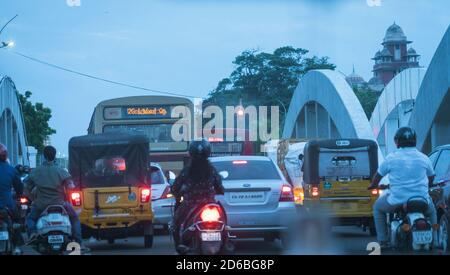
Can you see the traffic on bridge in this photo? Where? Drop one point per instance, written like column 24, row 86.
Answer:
column 286, row 156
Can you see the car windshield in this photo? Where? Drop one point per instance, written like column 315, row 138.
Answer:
column 247, row 170
column 156, row 176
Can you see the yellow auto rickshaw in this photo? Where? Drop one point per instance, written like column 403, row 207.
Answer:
column 113, row 193
column 336, row 176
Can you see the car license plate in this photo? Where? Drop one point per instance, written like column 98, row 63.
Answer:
column 4, row 235
column 211, row 236
column 55, row 239
column 422, row 237
column 247, row 197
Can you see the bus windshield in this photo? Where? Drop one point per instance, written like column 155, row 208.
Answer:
column 159, row 135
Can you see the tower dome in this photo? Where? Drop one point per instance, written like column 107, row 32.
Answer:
column 395, row 34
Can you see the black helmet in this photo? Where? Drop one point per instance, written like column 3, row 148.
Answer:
column 200, row 149
column 20, row 169
column 405, row 137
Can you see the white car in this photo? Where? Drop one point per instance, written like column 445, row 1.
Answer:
column 162, row 199
column 258, row 200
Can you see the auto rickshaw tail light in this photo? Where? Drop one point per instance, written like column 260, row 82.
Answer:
column 145, row 195
column 75, row 198
column 286, row 193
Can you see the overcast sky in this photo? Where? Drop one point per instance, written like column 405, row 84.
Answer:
column 187, row 46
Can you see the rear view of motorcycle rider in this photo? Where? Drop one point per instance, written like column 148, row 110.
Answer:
column 411, row 174
column 9, row 179
column 197, row 183
column 51, row 183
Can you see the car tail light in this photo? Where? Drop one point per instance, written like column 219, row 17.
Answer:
column 75, row 198
column 315, row 192
column 210, row 214
column 166, row 194
column 239, row 162
column 421, row 225
column 145, row 195
column 375, row 192
column 286, row 193
column 23, row 200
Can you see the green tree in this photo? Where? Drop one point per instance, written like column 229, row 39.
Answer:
column 36, row 118
column 368, row 99
column 266, row 79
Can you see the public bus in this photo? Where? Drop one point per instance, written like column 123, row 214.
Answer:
column 220, row 146
column 148, row 115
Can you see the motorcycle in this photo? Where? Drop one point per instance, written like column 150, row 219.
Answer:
column 205, row 231
column 6, row 230
column 54, row 231
column 408, row 227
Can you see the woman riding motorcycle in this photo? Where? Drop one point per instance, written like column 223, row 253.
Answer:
column 197, row 183
column 411, row 174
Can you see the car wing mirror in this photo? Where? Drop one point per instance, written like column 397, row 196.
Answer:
column 171, row 177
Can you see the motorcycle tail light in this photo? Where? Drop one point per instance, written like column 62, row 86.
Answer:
column 315, row 192
column 286, row 193
column 375, row 192
column 23, row 200
column 406, row 227
column 210, row 214
column 421, row 225
column 145, row 195
column 75, row 198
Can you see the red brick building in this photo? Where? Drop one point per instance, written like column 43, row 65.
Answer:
column 393, row 58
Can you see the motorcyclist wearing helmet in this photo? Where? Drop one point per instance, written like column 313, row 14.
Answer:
column 9, row 179
column 410, row 173
column 197, row 182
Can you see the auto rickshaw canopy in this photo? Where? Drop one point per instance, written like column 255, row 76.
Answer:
column 109, row 160
column 339, row 158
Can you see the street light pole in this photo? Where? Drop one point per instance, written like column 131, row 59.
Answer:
column 10, row 43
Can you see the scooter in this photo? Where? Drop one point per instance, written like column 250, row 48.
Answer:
column 54, row 231
column 205, row 231
column 408, row 227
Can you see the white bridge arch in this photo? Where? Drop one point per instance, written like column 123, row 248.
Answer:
column 325, row 106
column 431, row 114
column 12, row 128
column 394, row 107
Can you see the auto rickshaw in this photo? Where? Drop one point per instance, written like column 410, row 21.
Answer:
column 113, row 195
column 336, row 176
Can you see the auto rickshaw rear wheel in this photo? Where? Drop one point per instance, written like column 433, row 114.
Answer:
column 148, row 234
column 372, row 231
column 148, row 241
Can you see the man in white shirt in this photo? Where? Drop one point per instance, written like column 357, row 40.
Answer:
column 410, row 175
